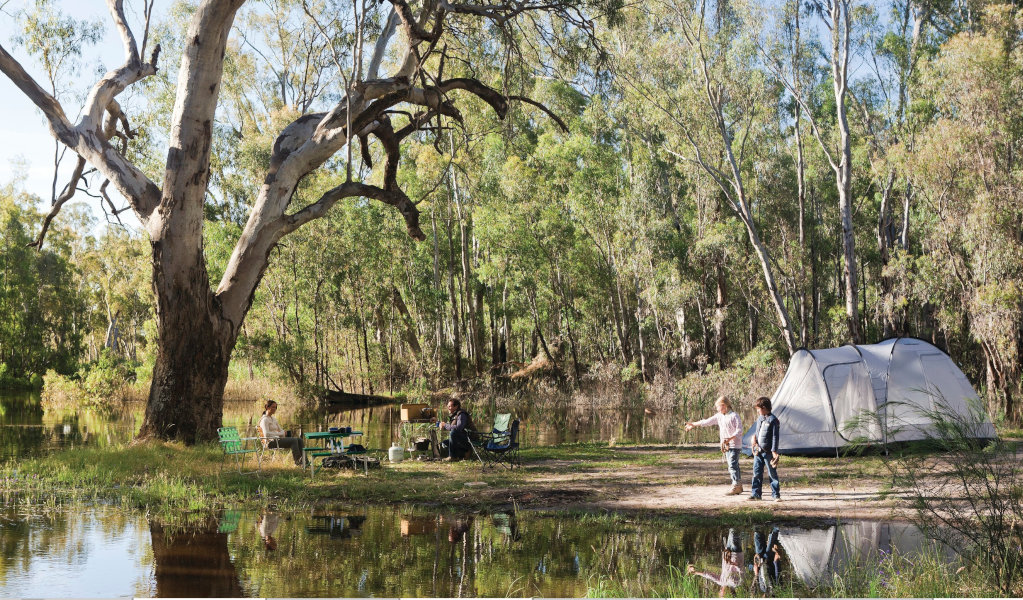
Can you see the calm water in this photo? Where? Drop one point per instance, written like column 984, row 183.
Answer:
column 387, row 552
column 27, row 429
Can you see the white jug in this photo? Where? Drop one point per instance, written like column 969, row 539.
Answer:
column 396, row 453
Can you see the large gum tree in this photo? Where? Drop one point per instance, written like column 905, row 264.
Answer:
column 198, row 323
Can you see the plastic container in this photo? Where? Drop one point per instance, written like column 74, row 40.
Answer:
column 396, row 453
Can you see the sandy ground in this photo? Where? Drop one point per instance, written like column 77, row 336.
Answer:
column 697, row 486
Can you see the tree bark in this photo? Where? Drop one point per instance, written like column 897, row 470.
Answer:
column 186, row 398
column 720, row 314
column 197, row 326
column 468, row 279
column 840, row 32
column 453, row 296
column 411, row 339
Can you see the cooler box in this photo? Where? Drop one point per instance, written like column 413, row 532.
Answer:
column 413, row 412
column 418, row 525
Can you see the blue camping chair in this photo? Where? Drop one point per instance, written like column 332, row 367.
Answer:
column 501, row 445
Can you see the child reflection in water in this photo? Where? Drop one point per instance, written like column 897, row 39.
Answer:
column 731, row 566
column 267, row 524
column 767, row 560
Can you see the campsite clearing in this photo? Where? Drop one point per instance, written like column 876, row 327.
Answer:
column 684, row 481
column 693, row 480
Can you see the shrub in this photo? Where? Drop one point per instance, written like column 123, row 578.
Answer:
column 971, row 499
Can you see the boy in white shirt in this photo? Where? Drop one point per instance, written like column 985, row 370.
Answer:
column 730, row 430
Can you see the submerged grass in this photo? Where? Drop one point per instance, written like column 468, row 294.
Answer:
column 924, row 574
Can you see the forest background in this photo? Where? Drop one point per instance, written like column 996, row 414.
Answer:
column 719, row 184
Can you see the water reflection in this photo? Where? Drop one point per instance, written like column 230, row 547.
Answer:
column 767, row 560
column 351, row 551
column 193, row 561
column 27, row 430
column 810, row 557
column 732, row 565
column 816, row 554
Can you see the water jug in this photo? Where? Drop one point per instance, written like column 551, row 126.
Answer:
column 396, row 453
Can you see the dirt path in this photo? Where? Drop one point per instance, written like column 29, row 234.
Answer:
column 662, row 480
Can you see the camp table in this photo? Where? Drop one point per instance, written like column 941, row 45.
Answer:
column 333, row 444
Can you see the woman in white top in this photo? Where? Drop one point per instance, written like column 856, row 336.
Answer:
column 274, row 436
column 730, row 431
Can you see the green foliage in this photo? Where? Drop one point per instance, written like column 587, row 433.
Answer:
column 105, row 384
column 611, row 251
column 41, row 316
column 756, row 374
column 979, row 508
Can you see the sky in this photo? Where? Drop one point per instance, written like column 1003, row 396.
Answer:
column 28, row 147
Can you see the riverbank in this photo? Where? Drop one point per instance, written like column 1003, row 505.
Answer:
column 675, row 481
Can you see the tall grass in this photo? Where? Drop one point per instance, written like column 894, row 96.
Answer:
column 675, row 583
column 924, row 574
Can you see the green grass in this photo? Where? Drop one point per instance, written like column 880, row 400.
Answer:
column 1013, row 433
column 161, row 476
column 676, row 584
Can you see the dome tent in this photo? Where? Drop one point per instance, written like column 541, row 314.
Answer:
column 876, row 393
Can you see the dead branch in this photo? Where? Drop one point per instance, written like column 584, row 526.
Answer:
column 67, row 194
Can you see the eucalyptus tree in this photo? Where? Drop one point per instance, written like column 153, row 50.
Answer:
column 42, row 319
column 838, row 18
column 965, row 167
column 198, row 323
column 699, row 74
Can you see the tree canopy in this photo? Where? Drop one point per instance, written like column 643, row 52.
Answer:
column 377, row 196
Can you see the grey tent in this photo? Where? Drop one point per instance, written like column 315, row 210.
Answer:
column 874, row 393
column 817, row 554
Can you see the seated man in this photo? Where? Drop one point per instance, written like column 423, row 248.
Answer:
column 460, row 426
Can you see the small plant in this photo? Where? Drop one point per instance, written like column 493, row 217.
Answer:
column 972, row 499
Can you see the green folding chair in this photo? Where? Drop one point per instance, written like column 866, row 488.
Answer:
column 238, row 447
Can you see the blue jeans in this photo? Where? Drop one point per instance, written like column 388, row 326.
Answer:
column 759, row 461
column 733, row 466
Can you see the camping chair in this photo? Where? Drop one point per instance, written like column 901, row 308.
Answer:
column 501, row 445
column 234, row 445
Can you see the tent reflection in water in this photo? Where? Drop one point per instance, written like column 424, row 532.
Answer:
column 873, row 394
column 815, row 555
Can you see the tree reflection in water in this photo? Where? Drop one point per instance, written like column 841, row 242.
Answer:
column 351, row 551
column 193, row 561
column 26, row 429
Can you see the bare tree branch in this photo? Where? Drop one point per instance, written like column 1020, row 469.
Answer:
column 549, row 112
column 60, row 126
column 67, row 194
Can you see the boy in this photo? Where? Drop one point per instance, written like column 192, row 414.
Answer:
column 765, row 450
column 730, row 431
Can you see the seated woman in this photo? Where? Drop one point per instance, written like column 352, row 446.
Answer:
column 274, row 436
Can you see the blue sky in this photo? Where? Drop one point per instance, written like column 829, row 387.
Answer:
column 28, row 148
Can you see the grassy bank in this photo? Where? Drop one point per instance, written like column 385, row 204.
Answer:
column 163, row 476
column 166, row 476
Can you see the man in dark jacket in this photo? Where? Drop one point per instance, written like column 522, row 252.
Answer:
column 460, row 424
column 765, row 450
